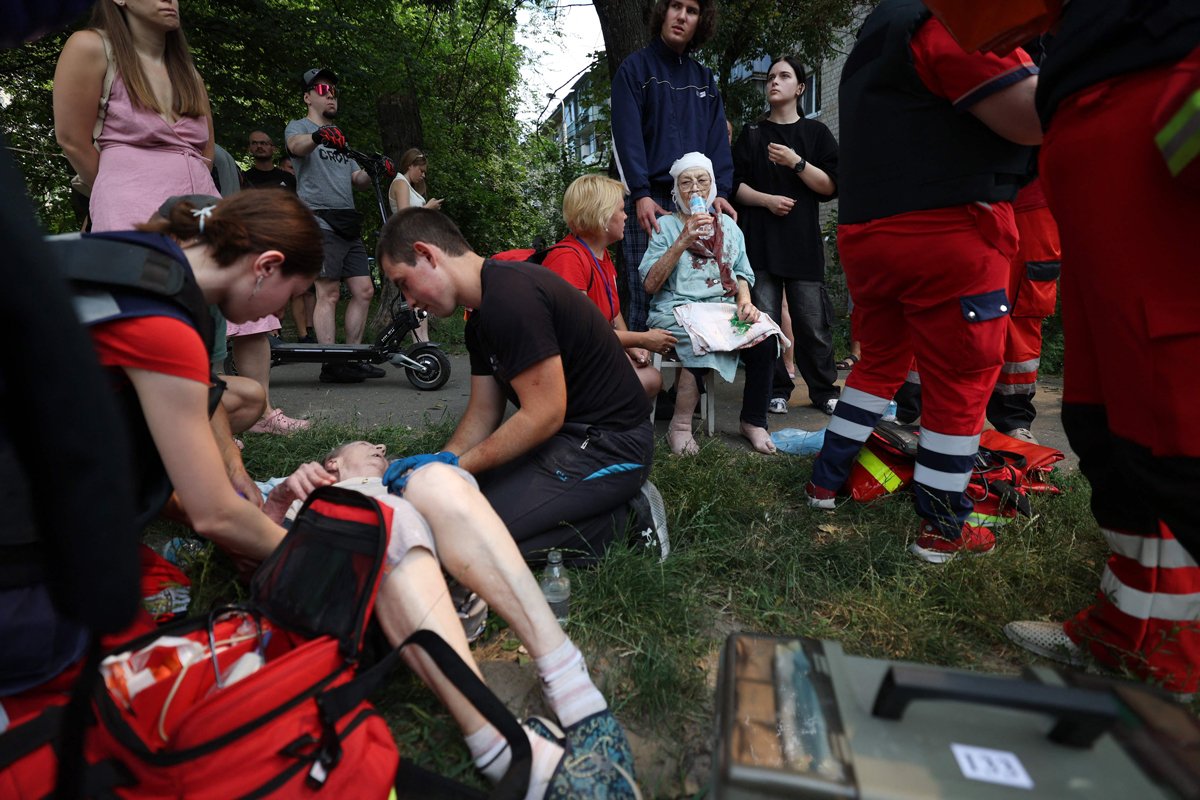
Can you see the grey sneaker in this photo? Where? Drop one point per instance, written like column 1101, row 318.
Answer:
column 1023, row 434
column 1047, row 639
column 654, row 537
column 472, row 610
column 777, row 405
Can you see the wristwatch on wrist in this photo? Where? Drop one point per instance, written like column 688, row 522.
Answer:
column 800, row 165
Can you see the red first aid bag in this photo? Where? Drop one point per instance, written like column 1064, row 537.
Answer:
column 270, row 698
column 1006, row 472
column 885, row 464
column 235, row 703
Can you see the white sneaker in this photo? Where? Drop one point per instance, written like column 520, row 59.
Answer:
column 1022, row 434
column 778, row 405
column 829, row 406
column 1047, row 639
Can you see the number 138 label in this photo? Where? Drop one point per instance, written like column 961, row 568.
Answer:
column 991, row 766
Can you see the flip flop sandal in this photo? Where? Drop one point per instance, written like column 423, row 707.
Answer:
column 848, row 362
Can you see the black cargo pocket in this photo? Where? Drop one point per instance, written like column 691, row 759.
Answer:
column 984, row 307
column 1037, row 292
column 1043, row 270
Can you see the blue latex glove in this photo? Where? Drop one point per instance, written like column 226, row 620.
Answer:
column 398, row 473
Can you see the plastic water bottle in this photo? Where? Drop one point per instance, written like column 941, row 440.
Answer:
column 556, row 585
column 697, row 206
column 185, row 551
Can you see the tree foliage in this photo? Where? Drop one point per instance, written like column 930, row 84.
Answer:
column 746, row 30
column 441, row 75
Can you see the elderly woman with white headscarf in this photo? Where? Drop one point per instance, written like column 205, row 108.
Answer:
column 701, row 258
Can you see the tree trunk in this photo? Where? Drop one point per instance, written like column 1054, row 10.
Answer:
column 624, row 24
column 399, row 118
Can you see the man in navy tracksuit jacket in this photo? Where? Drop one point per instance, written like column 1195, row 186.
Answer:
column 665, row 104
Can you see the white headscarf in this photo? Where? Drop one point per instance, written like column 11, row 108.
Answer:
column 686, row 162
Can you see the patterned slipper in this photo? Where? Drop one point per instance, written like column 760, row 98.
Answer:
column 546, row 729
column 599, row 762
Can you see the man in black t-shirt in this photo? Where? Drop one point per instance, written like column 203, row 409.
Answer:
column 264, row 173
column 562, row 470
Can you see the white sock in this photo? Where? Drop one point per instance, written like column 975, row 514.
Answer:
column 492, row 756
column 490, row 752
column 568, row 687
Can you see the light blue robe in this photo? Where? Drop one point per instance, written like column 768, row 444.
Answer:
column 691, row 284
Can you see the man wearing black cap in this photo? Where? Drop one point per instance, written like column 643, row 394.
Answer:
column 325, row 179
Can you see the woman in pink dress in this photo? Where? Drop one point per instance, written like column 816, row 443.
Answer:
column 150, row 139
column 156, row 137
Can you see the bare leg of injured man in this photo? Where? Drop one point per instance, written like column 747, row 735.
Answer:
column 443, row 522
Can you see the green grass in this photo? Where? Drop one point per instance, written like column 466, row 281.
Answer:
column 748, row 554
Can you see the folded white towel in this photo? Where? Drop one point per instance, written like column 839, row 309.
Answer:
column 710, row 327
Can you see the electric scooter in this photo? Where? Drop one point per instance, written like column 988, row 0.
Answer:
column 424, row 363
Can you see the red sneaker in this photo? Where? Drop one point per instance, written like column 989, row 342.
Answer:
column 936, row 548
column 820, row 497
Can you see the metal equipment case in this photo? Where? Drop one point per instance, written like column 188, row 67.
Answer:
column 798, row 718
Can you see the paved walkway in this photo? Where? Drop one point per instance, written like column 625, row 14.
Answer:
column 392, row 400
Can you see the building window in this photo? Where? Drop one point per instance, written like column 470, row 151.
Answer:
column 810, row 101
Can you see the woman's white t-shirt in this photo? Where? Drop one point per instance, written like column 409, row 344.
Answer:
column 414, row 197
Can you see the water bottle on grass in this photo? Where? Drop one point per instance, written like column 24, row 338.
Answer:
column 556, row 585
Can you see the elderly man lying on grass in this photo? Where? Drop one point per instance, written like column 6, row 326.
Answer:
column 440, row 520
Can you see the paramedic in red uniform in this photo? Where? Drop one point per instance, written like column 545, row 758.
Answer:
column 1033, row 290
column 935, row 143
column 1131, row 319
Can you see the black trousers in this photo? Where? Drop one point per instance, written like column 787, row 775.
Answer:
column 811, row 311
column 572, row 493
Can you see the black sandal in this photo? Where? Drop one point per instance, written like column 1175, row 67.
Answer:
column 848, row 362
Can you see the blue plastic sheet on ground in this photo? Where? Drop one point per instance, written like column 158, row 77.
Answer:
column 798, row 442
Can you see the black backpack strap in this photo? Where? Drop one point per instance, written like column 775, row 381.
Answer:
column 77, row 716
column 988, row 458
column 115, row 263
column 414, row 782
column 18, row 742
column 338, row 702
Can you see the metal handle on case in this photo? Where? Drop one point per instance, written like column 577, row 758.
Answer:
column 1082, row 715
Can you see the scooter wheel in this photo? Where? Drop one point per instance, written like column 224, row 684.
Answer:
column 434, row 371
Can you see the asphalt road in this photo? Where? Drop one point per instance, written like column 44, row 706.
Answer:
column 392, row 400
